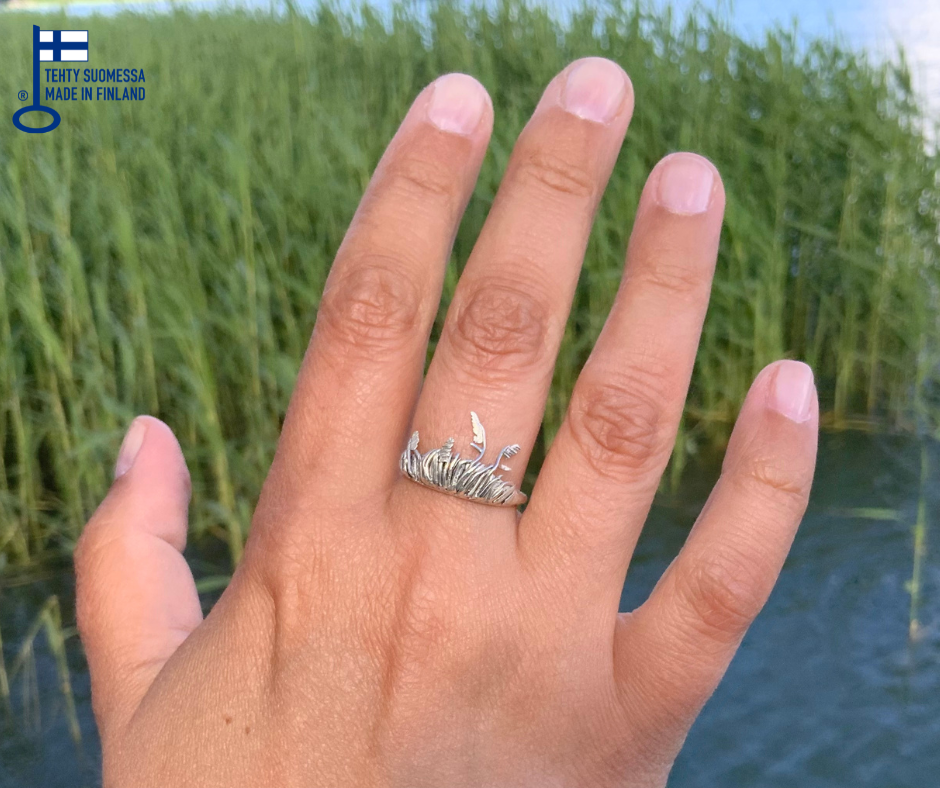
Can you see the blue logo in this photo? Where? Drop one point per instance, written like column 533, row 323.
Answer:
column 71, row 46
column 53, row 46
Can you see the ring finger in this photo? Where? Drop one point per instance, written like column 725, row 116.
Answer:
column 503, row 329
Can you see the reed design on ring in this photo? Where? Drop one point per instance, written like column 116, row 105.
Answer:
column 446, row 471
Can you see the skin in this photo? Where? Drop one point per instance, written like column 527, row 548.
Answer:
column 378, row 633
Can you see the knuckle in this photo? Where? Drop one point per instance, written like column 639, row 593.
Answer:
column 558, row 174
column 102, row 543
column 300, row 583
column 723, row 595
column 500, row 327
column 372, row 309
column 677, row 280
column 299, row 598
column 767, row 477
column 618, row 427
column 413, row 175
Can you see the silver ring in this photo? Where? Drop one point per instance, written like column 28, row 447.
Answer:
column 447, row 472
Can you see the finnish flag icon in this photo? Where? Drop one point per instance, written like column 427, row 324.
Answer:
column 63, row 46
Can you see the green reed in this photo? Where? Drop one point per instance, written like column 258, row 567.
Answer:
column 915, row 584
column 168, row 256
column 23, row 674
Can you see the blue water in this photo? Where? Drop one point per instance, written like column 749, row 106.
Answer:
column 827, row 690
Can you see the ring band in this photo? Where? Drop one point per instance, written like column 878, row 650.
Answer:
column 446, row 471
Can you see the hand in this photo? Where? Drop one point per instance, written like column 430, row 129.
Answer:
column 380, row 633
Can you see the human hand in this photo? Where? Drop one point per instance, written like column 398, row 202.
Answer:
column 380, row 633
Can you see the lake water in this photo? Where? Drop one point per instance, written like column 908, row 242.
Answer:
column 827, row 691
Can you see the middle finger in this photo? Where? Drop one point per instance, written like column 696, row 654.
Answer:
column 505, row 324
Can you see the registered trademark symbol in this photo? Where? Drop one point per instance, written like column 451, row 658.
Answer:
column 23, row 95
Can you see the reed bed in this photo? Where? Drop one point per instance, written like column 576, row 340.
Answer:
column 23, row 675
column 167, row 256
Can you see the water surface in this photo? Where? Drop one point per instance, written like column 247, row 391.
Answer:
column 827, row 690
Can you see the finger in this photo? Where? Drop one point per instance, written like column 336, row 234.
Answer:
column 672, row 652
column 136, row 599
column 359, row 380
column 599, row 478
column 498, row 346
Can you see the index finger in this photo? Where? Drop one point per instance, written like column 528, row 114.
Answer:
column 362, row 370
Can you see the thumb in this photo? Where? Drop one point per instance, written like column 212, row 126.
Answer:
column 136, row 598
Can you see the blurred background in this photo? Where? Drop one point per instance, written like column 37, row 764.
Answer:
column 167, row 257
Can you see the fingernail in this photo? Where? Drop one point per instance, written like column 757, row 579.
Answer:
column 685, row 184
column 793, row 391
column 594, row 90
column 457, row 103
column 130, row 447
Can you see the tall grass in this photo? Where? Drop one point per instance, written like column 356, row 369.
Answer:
column 915, row 584
column 167, row 256
column 23, row 673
